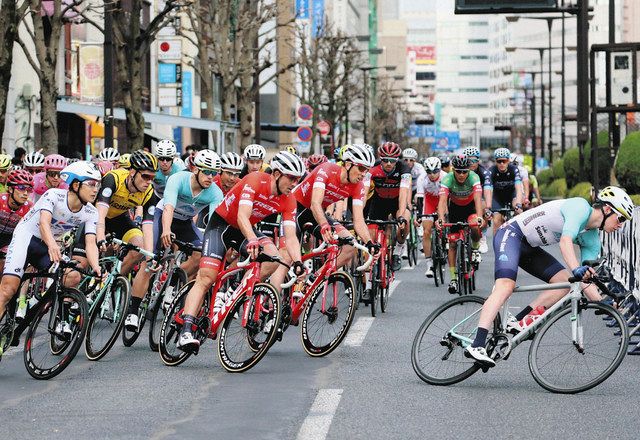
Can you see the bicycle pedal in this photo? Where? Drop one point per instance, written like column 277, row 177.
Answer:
column 15, row 341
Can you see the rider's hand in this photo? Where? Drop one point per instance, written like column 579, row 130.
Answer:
column 488, row 213
column 167, row 238
column 402, row 222
column 526, row 203
column 583, row 272
column 298, row 268
column 327, row 232
column 439, row 224
column 253, row 248
column 374, row 248
column 518, row 209
column 54, row 253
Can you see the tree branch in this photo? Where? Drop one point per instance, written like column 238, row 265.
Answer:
column 30, row 59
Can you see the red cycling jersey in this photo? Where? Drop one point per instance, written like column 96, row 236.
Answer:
column 255, row 190
column 10, row 218
column 327, row 177
column 218, row 182
column 387, row 185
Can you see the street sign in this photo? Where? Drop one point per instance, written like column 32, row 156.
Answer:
column 324, row 128
column 167, row 97
column 304, row 116
column 304, row 147
column 170, row 49
column 304, row 134
column 167, row 73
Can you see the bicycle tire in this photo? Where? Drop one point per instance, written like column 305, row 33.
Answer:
column 435, row 256
column 78, row 321
column 619, row 331
column 178, row 279
column 92, row 352
column 316, row 348
column 234, row 316
column 170, row 331
column 129, row 337
column 469, row 366
column 384, row 294
column 462, row 284
column 374, row 295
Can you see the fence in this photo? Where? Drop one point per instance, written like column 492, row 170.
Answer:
column 621, row 250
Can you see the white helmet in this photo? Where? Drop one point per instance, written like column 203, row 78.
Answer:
column 359, row 154
column 254, row 152
column 409, row 153
column 34, row 160
column 110, row 154
column 81, row 171
column 432, row 164
column 289, row 164
column 165, row 148
column 231, row 161
column 618, row 199
column 207, row 160
column 178, row 161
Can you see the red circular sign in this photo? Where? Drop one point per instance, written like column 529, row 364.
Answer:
column 165, row 46
column 304, row 134
column 305, row 112
column 324, row 128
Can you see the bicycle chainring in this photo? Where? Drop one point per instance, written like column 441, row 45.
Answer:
column 499, row 347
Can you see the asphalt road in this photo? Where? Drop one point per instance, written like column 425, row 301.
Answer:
column 365, row 389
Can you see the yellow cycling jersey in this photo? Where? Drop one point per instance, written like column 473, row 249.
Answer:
column 115, row 194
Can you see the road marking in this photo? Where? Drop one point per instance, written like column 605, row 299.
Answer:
column 316, row 425
column 392, row 288
column 358, row 331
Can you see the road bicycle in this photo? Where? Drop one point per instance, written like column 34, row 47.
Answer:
column 381, row 275
column 576, row 344
column 465, row 267
column 55, row 322
column 413, row 241
column 244, row 326
column 325, row 304
column 439, row 248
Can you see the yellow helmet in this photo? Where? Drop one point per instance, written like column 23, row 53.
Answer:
column 124, row 161
column 291, row 149
column 5, row 161
column 342, row 150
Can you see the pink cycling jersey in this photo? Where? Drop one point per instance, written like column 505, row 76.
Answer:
column 40, row 185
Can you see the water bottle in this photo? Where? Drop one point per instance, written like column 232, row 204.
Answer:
column 22, row 306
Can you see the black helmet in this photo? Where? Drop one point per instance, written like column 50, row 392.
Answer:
column 460, row 162
column 445, row 160
column 143, row 161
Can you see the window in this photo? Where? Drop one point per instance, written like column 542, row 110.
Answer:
column 473, row 73
column 478, row 40
column 425, row 76
column 474, row 57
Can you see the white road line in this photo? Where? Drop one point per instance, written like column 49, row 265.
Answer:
column 392, row 287
column 316, row 425
column 358, row 331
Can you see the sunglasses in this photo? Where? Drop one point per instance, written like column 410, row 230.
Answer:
column 147, row 177
column 462, row 171
column 208, row 172
column 27, row 188
column 165, row 159
column 621, row 219
column 436, row 171
column 295, row 179
column 53, row 173
column 502, row 161
column 232, row 174
column 474, row 160
column 363, row 169
column 94, row 184
column 389, row 160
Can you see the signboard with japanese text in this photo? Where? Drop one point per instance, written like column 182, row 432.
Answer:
column 187, row 94
column 170, row 50
column 424, row 54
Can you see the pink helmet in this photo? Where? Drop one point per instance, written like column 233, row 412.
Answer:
column 55, row 162
column 104, row 166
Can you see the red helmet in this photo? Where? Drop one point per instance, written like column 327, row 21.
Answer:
column 315, row 160
column 389, row 149
column 104, row 166
column 19, row 177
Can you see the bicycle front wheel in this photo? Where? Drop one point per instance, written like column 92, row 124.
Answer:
column 169, row 352
column 561, row 365
column 63, row 323
column 178, row 279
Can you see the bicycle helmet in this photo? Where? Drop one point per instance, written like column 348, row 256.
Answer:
column 389, row 149
column 19, row 177
column 617, row 199
column 110, row 154
column 164, row 148
column 359, row 154
column 445, row 160
column 104, row 166
column 291, row 149
column 254, row 152
column 72, row 160
column 432, row 164
column 80, row 171
column 471, row 151
column 288, row 163
column 143, row 161
column 54, row 162
column 231, row 162
column 502, row 153
column 34, row 159
column 410, row 153
column 124, row 161
column 207, row 160
column 16, row 167
column 5, row 161
column 316, row 159
column 460, row 162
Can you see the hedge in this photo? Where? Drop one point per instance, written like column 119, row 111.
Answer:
column 557, row 188
column 627, row 168
column 558, row 169
column 582, row 189
column 635, row 198
column 571, row 161
column 545, row 176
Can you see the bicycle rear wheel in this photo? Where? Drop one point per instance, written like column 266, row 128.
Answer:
column 170, row 354
column 374, row 295
column 322, row 331
column 437, row 356
column 435, row 257
column 41, row 361
column 106, row 320
column 178, row 279
column 241, row 347
column 461, row 269
column 560, row 366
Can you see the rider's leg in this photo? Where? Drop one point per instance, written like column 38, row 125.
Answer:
column 72, row 277
column 204, row 280
column 276, row 270
column 502, row 290
column 498, row 220
column 427, row 225
column 191, row 265
column 8, row 287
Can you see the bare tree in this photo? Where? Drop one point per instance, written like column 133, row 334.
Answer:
column 10, row 13
column 389, row 111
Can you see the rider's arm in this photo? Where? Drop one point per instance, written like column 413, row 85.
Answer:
column 442, row 203
column 477, row 201
column 92, row 252
column 102, row 203
column 147, row 222
column 291, row 241
column 488, row 190
column 519, row 193
column 358, row 223
column 170, row 200
column 317, row 196
column 45, row 228
column 404, row 195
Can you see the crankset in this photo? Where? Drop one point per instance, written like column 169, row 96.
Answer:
column 499, row 347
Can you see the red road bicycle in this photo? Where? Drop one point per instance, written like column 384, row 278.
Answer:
column 381, row 274
column 466, row 268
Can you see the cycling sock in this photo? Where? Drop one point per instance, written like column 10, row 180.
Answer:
column 481, row 338
column 452, row 272
column 134, row 305
column 524, row 312
column 189, row 320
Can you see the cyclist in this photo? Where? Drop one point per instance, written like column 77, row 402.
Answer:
column 473, row 154
column 5, row 167
column 164, row 151
column 291, row 149
column 34, row 162
column 391, row 181
column 503, row 187
column 124, row 162
column 518, row 160
column 104, row 166
column 461, row 194
column 122, row 191
column 410, row 156
column 14, row 204
column 50, row 177
column 445, row 160
column 256, row 196
column 428, row 196
column 315, row 160
column 535, row 198
column 109, row 154
column 56, row 212
column 254, row 155
column 186, row 194
column 519, row 243
column 231, row 165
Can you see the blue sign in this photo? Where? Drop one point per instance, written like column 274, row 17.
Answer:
column 421, row 131
column 167, row 73
column 302, row 9
column 177, row 138
column 446, row 140
column 317, row 18
column 187, row 94
column 304, row 134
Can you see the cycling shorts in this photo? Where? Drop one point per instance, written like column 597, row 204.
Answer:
column 430, row 204
column 512, row 251
column 184, row 230
column 381, row 209
column 219, row 237
column 19, row 256
column 122, row 227
column 500, row 201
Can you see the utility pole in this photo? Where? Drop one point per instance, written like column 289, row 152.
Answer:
column 614, row 128
column 583, row 81
column 108, row 75
column 550, row 26
column 563, row 138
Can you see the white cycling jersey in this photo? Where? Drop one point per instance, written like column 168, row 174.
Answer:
column 428, row 187
column 416, row 173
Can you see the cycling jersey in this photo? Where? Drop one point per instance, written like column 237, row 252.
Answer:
column 482, row 174
column 3, row 187
column 255, row 190
column 117, row 197
column 160, row 181
column 460, row 194
column 503, row 184
column 327, row 177
column 429, row 191
column 387, row 185
column 524, row 174
column 417, row 171
column 40, row 185
column 179, row 195
column 10, row 218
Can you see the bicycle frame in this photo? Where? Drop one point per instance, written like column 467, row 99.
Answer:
column 329, row 266
column 381, row 238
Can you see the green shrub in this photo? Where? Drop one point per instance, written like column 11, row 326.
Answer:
column 543, row 189
column 558, row 169
column 545, row 176
column 627, row 167
column 571, row 162
column 582, row 189
column 571, row 166
column 635, row 198
column 557, row 188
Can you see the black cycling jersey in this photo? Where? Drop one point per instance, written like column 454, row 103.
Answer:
column 503, row 184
